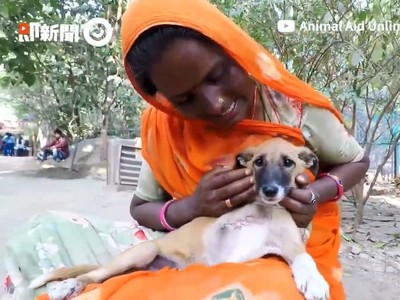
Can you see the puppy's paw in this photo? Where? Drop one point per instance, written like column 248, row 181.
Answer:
column 66, row 289
column 308, row 279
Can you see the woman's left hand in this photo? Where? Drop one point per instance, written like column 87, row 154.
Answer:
column 298, row 203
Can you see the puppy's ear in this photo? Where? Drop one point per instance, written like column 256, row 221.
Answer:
column 311, row 160
column 242, row 159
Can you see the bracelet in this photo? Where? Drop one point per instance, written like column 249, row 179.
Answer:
column 339, row 185
column 163, row 220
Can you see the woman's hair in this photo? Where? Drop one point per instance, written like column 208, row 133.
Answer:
column 149, row 46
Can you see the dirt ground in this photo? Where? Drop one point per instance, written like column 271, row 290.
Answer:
column 371, row 266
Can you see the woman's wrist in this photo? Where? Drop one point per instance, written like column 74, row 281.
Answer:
column 348, row 175
column 324, row 188
column 162, row 215
column 180, row 212
column 338, row 184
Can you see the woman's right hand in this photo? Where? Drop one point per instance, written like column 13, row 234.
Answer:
column 219, row 185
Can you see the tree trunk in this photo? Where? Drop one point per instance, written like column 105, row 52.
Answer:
column 104, row 136
column 44, row 134
column 358, row 190
column 358, row 195
column 361, row 200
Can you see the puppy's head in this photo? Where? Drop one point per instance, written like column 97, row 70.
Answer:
column 275, row 165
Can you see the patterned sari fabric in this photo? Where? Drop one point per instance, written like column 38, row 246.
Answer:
column 50, row 240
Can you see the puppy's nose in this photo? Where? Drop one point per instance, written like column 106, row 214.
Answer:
column 270, row 190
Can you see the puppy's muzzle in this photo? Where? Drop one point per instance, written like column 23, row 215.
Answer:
column 270, row 191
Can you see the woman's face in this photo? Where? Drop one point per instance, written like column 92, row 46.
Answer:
column 195, row 77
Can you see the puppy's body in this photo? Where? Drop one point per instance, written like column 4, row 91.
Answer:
column 246, row 233
column 241, row 236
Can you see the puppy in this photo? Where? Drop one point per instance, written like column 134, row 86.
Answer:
column 246, row 233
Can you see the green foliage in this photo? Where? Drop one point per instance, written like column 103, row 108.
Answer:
column 74, row 86
column 69, row 83
column 357, row 69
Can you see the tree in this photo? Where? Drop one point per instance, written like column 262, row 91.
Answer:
column 352, row 65
column 74, row 85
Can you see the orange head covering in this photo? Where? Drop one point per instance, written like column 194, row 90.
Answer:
column 179, row 151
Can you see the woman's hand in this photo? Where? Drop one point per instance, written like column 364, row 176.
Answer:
column 220, row 186
column 298, row 202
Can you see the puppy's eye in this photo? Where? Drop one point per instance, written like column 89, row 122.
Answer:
column 259, row 162
column 287, row 163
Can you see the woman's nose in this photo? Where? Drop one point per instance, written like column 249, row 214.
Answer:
column 211, row 101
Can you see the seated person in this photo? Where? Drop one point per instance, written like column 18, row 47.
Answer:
column 57, row 148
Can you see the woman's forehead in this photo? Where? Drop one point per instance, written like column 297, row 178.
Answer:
column 182, row 66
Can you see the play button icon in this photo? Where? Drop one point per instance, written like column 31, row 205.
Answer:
column 23, row 28
column 285, row 26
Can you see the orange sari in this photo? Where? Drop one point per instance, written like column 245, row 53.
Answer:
column 179, row 151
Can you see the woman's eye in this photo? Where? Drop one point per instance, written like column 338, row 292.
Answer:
column 214, row 78
column 217, row 74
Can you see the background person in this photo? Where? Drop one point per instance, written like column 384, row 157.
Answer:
column 8, row 144
column 57, row 148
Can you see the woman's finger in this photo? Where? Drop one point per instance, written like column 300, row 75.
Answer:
column 246, row 197
column 225, row 178
column 217, row 170
column 296, row 206
column 234, row 189
column 302, row 181
column 302, row 221
column 303, row 196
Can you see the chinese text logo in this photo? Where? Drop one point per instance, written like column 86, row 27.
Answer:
column 97, row 32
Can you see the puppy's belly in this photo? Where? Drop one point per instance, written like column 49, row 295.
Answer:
column 248, row 242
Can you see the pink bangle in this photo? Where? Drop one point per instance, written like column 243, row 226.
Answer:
column 339, row 185
column 163, row 220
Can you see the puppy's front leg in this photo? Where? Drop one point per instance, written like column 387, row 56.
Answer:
column 304, row 269
column 308, row 279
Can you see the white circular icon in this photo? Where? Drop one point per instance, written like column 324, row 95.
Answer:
column 97, row 32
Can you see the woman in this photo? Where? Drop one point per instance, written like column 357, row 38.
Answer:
column 224, row 92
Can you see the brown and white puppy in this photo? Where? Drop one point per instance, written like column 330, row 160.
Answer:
column 249, row 232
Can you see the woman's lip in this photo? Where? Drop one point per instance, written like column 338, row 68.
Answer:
column 230, row 115
column 230, row 109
